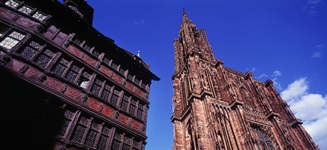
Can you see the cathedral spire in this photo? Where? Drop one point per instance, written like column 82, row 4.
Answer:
column 185, row 15
column 215, row 107
column 191, row 41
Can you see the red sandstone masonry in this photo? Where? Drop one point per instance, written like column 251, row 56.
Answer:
column 16, row 65
column 89, row 60
column 117, row 77
column 31, row 72
column 94, row 104
column 73, row 93
column 105, row 70
column 74, row 50
column 107, row 110
column 54, row 84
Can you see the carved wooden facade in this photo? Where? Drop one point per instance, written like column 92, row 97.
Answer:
column 219, row 108
column 60, row 74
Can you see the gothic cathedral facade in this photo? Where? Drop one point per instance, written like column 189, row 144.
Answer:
column 219, row 108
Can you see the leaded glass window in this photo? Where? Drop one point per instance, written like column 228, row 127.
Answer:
column 106, row 92
column 25, row 10
column 90, row 138
column 64, row 127
column 39, row 16
column 133, row 102
column 84, row 80
column 12, row 3
column 72, row 73
column 96, row 87
column 103, row 138
column 17, row 35
column 125, row 147
column 114, row 98
column 44, row 58
column 124, row 103
column 10, row 41
column 28, row 52
column 60, row 67
column 132, row 107
column 78, row 133
column 115, row 145
column 118, row 135
column 136, row 144
column 102, row 142
column 127, row 139
column 140, row 110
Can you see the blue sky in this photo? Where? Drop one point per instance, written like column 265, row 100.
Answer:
column 281, row 40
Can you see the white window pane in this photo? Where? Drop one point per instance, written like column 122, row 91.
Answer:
column 8, row 43
column 25, row 10
column 11, row 3
column 84, row 84
column 39, row 16
column 17, row 35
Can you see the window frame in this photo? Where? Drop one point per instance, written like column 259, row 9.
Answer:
column 8, row 38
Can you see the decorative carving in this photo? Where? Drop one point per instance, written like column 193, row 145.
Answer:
column 42, row 78
column 24, row 69
column 6, row 59
column 117, row 115
column 63, row 89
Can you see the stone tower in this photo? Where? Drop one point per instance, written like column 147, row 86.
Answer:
column 219, row 108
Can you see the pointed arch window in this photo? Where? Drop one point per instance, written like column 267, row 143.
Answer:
column 261, row 139
column 104, row 138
